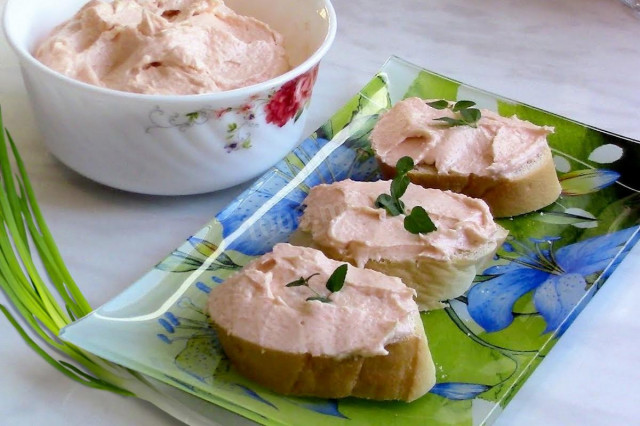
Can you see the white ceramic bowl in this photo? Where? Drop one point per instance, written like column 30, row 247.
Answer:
column 173, row 145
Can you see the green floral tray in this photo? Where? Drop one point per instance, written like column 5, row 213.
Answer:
column 485, row 343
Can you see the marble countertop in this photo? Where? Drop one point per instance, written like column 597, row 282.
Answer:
column 576, row 58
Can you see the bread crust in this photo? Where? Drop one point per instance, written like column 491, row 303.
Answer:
column 406, row 373
column 535, row 187
column 436, row 280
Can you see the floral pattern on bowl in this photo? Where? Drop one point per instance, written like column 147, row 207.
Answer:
column 484, row 343
column 278, row 108
column 174, row 144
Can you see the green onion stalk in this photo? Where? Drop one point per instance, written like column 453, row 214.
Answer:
column 44, row 304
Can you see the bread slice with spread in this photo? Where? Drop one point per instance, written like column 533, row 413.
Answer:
column 281, row 326
column 505, row 161
column 343, row 220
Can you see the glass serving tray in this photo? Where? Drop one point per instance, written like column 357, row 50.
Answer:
column 484, row 344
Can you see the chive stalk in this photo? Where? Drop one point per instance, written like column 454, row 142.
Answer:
column 25, row 239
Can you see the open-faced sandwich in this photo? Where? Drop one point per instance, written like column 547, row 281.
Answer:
column 505, row 161
column 435, row 241
column 300, row 323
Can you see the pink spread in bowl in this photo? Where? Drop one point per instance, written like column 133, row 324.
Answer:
column 231, row 128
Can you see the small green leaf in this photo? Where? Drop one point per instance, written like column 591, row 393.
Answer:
column 441, row 104
column 393, row 206
column 468, row 116
column 300, row 281
column 383, row 201
column 460, row 105
column 418, row 221
column 451, row 121
column 231, row 127
column 471, row 115
column 336, row 280
column 399, row 186
column 322, row 299
column 404, row 165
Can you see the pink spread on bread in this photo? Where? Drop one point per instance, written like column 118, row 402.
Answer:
column 343, row 216
column 369, row 312
column 498, row 146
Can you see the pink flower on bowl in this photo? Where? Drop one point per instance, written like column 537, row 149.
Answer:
column 290, row 98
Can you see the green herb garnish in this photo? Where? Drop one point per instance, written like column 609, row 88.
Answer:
column 302, row 281
column 336, row 280
column 334, row 283
column 391, row 202
column 418, row 220
column 404, row 165
column 441, row 104
column 467, row 115
column 393, row 206
column 462, row 105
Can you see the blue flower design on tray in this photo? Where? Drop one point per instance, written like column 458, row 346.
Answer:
column 459, row 391
column 484, row 343
column 559, row 278
column 187, row 260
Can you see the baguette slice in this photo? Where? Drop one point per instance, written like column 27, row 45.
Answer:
column 504, row 161
column 406, row 373
column 341, row 220
column 367, row 342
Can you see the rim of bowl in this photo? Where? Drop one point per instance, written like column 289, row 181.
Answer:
column 306, row 65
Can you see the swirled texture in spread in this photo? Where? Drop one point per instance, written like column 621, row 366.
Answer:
column 164, row 47
column 342, row 218
column 497, row 146
column 369, row 312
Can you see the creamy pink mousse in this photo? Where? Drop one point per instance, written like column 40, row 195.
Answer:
column 164, row 47
column 498, row 146
column 369, row 312
column 342, row 217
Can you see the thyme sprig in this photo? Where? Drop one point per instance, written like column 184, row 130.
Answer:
column 417, row 221
column 334, row 284
column 466, row 114
column 391, row 202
